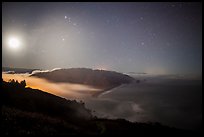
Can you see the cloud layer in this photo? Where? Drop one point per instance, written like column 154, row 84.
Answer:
column 170, row 100
column 173, row 102
column 66, row 90
column 41, row 71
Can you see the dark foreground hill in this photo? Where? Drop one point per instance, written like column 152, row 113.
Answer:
column 97, row 78
column 27, row 111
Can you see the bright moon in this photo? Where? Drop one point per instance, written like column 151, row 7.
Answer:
column 14, row 43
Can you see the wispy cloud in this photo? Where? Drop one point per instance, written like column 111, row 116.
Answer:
column 41, row 71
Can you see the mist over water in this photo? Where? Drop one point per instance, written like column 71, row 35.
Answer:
column 65, row 90
column 169, row 100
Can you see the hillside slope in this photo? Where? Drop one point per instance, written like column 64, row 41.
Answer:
column 97, row 78
column 27, row 111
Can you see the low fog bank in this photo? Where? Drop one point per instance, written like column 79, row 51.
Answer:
column 65, row 90
column 170, row 100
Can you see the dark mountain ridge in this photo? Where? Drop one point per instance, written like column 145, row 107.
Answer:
column 17, row 70
column 97, row 78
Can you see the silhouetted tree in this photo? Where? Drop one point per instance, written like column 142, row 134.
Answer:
column 17, row 82
column 12, row 82
column 23, row 83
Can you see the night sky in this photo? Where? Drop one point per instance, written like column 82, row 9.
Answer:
column 156, row 38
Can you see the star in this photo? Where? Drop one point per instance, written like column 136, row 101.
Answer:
column 79, row 32
column 69, row 19
column 168, row 44
column 129, row 59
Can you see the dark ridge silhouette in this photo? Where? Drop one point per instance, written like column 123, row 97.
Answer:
column 97, row 78
column 16, row 95
column 17, row 70
column 134, row 73
column 27, row 111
